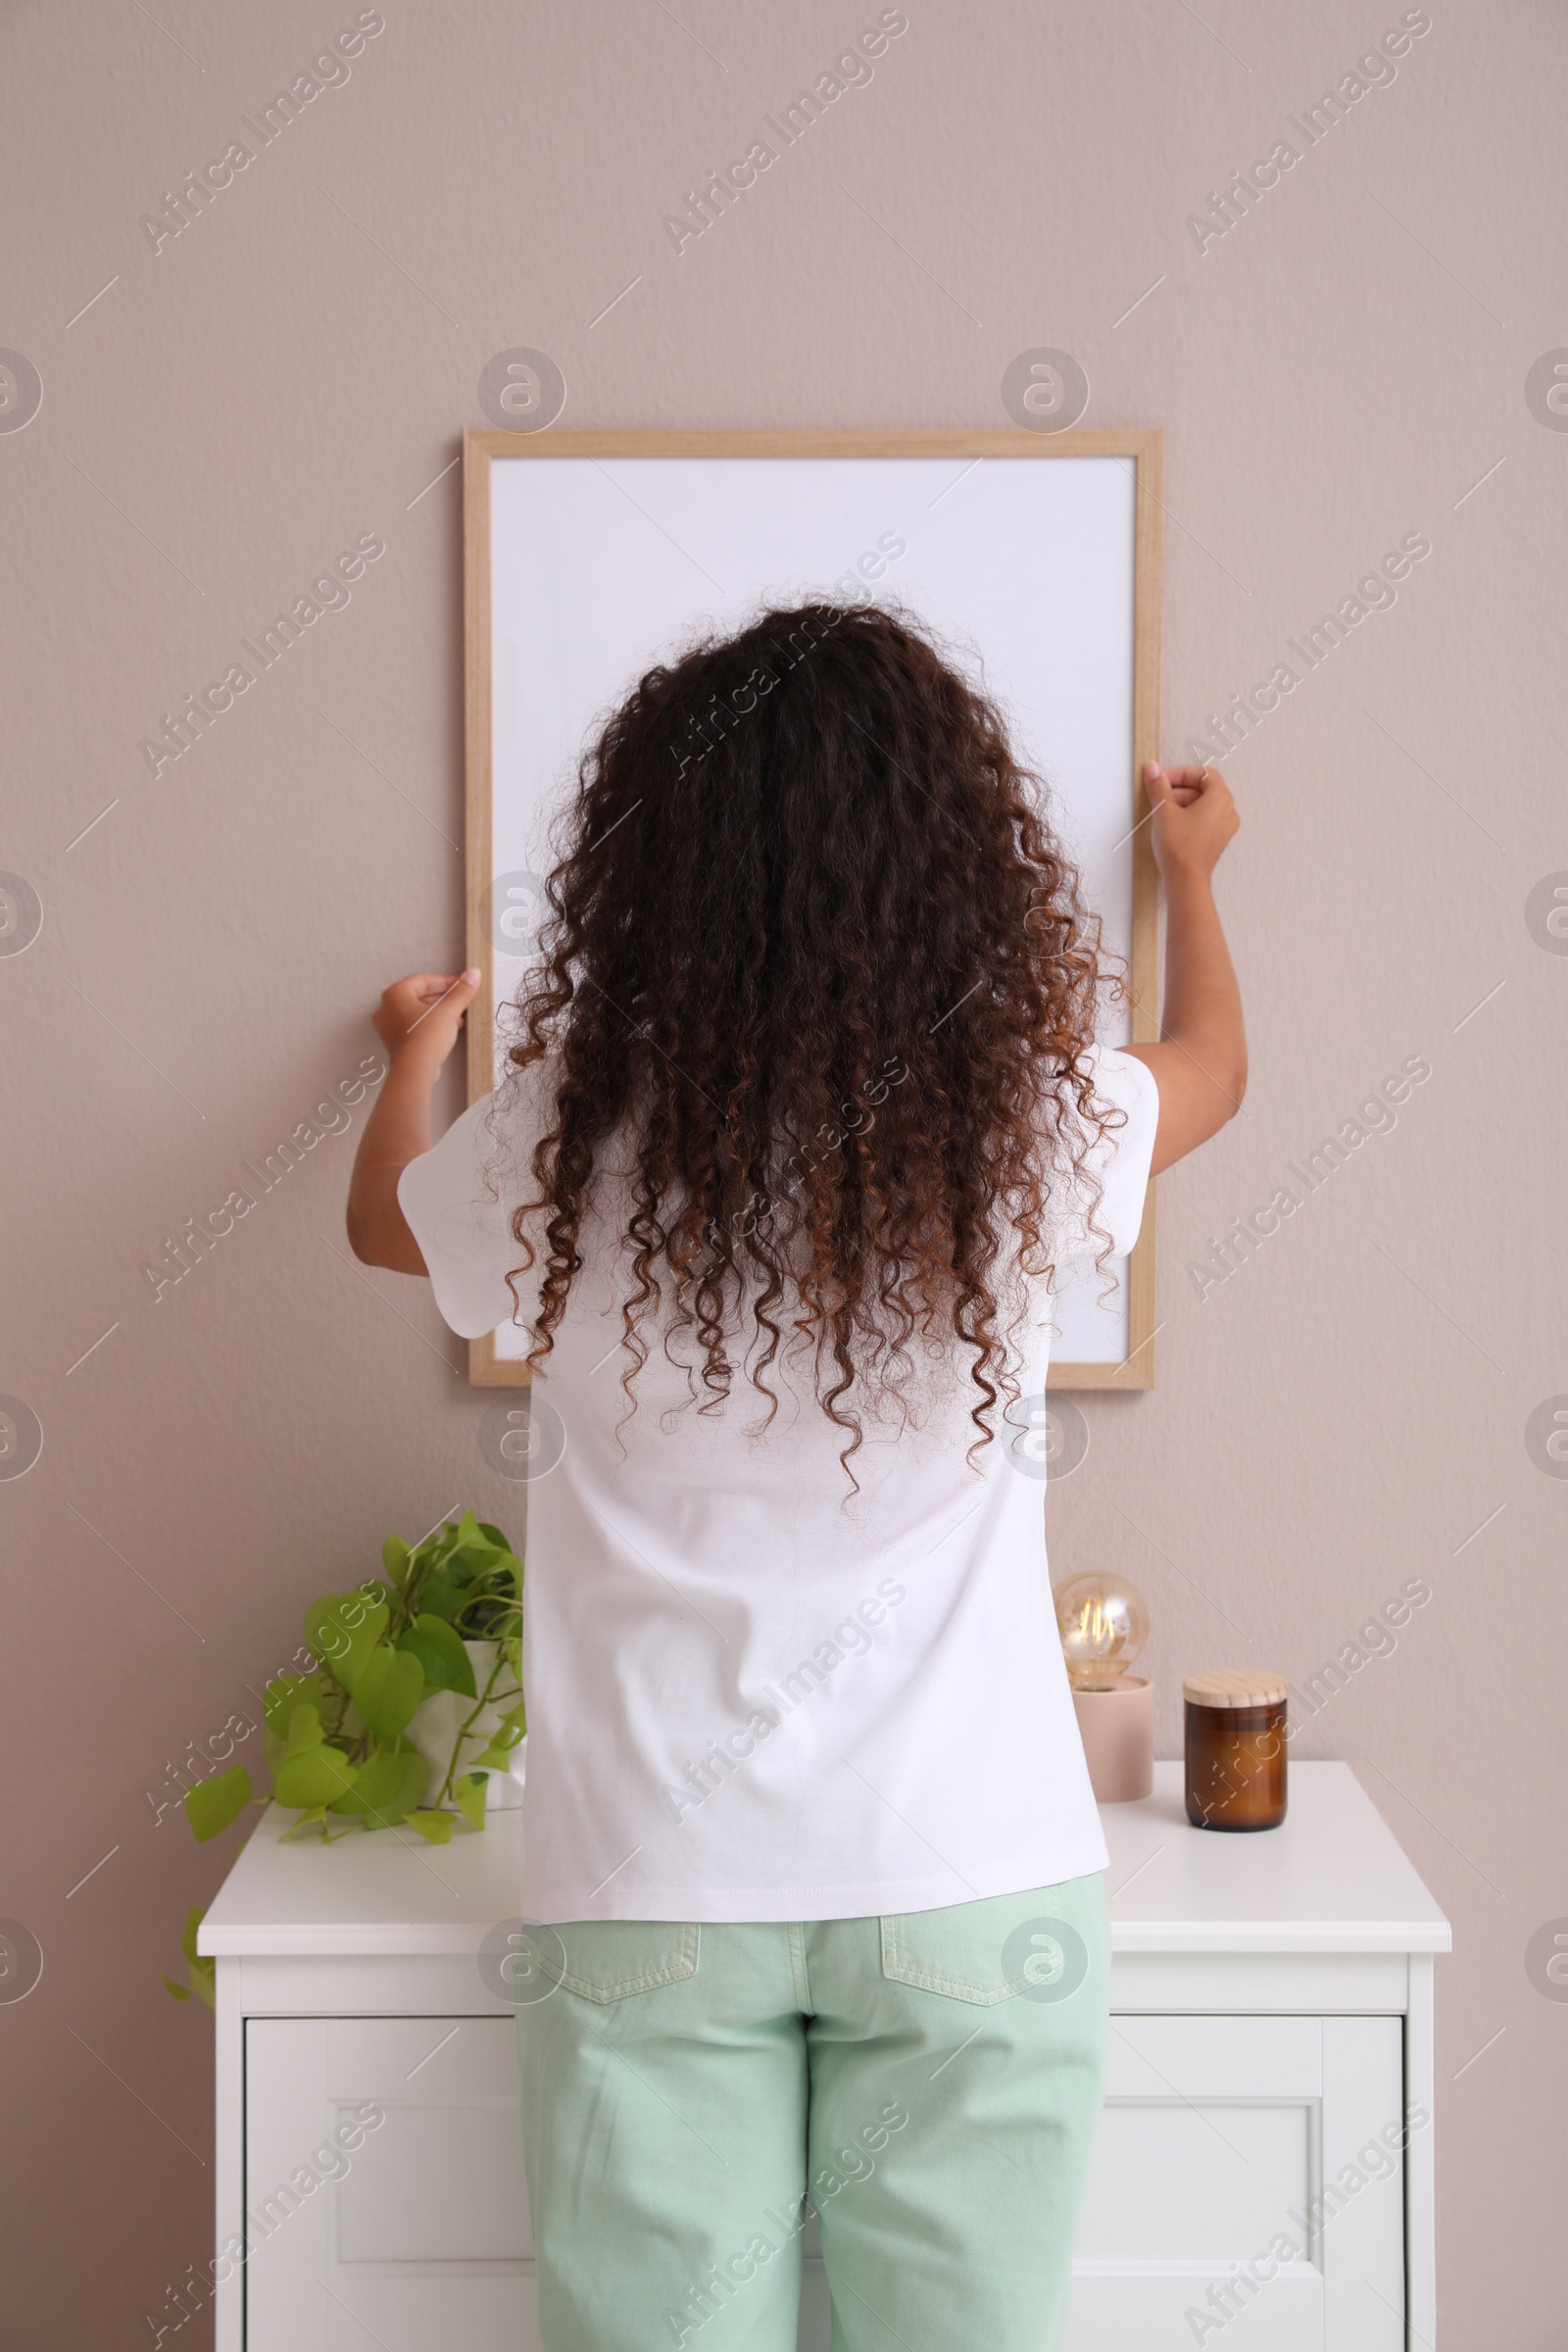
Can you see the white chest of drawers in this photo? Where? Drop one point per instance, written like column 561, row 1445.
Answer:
column 1264, row 2179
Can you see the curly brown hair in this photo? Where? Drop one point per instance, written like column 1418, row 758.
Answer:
column 815, row 947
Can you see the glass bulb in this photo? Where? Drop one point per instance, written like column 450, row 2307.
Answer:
column 1103, row 1625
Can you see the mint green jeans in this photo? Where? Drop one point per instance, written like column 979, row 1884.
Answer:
column 929, row 2083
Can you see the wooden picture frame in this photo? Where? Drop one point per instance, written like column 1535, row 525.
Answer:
column 1141, row 448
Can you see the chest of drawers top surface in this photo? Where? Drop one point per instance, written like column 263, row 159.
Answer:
column 1332, row 1878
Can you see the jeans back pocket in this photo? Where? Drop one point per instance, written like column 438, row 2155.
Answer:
column 610, row 1959
column 1035, row 1946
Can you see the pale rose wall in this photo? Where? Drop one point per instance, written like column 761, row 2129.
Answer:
column 294, row 369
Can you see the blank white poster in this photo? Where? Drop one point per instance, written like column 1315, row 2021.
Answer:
column 1024, row 569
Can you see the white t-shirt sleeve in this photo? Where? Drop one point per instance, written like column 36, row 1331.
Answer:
column 1120, row 1158
column 460, row 1219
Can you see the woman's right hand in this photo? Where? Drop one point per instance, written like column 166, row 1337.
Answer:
column 1194, row 819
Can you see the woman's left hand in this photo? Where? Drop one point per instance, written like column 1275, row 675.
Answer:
column 423, row 1014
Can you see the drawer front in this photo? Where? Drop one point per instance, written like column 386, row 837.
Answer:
column 1247, row 2188
column 385, row 2189
column 387, row 2202
column 418, row 2233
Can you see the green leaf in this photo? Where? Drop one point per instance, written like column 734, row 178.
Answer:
column 473, row 1553
column 376, row 1780
column 283, row 1695
column 203, row 1970
column 302, row 1731
column 434, row 1828
column 383, row 1775
column 313, row 1818
column 470, row 1793
column 394, row 1794
column 441, row 1599
column 388, row 1687
column 494, row 1536
column 212, row 1804
column 314, row 1778
column 411, row 1793
column 286, row 1692
column 390, row 1784
column 344, row 1628
column 436, row 1549
column 508, row 1735
column 395, row 1558
column 465, row 1536
column 441, row 1655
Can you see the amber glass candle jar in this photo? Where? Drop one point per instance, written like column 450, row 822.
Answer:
column 1234, row 1749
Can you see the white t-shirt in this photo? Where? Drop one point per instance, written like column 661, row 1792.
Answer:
column 750, row 1698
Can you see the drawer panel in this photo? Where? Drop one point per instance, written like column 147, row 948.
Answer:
column 1215, row 2057
column 446, row 2057
column 418, row 2235
column 1174, row 2179
column 1243, row 2184
column 438, row 2183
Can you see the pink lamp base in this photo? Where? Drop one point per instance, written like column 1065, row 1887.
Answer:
column 1117, row 1727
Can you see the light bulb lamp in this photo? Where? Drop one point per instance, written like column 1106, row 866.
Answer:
column 1103, row 1625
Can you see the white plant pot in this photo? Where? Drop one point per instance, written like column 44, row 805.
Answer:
column 436, row 1726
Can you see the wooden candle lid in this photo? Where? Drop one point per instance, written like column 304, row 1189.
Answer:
column 1235, row 1686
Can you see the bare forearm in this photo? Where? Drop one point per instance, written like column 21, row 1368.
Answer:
column 1202, row 1004
column 397, row 1131
column 1199, row 1064
column 419, row 1020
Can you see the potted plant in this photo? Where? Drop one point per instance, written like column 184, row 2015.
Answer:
column 415, row 1701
